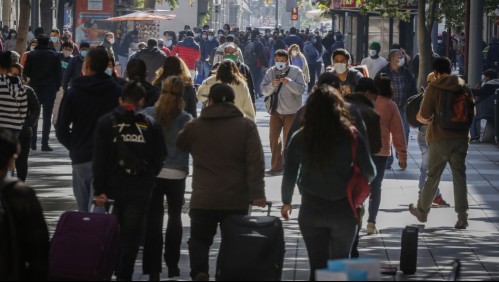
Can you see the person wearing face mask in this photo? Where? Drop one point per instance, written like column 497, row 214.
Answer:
column 108, row 44
column 403, row 84
column 66, row 57
column 10, row 43
column 484, row 97
column 55, row 40
column 313, row 59
column 43, row 68
column 206, row 49
column 231, row 52
column 374, row 62
column 349, row 77
column 162, row 47
column 189, row 51
column 74, row 69
column 299, row 60
column 124, row 48
column 285, row 85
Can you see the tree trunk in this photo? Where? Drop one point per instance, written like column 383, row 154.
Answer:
column 150, row 4
column 6, row 12
column 22, row 32
column 46, row 15
column 424, row 45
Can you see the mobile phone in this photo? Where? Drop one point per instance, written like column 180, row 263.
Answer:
column 277, row 76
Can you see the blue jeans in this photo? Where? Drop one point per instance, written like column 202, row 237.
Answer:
column 329, row 229
column 425, row 158
column 375, row 199
column 46, row 95
column 207, row 69
column 83, row 185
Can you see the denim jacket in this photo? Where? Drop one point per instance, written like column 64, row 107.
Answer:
column 176, row 159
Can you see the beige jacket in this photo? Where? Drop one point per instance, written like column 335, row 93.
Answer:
column 243, row 98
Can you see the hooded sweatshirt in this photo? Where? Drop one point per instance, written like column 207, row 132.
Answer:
column 189, row 51
column 87, row 100
column 154, row 59
column 227, row 153
column 431, row 107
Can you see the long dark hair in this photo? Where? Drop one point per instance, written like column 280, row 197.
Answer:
column 326, row 122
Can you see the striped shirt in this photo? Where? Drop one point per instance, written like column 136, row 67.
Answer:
column 13, row 103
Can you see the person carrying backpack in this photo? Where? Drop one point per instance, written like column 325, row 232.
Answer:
column 129, row 150
column 448, row 109
column 254, row 57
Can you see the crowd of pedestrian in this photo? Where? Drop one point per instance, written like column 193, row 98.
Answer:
column 130, row 135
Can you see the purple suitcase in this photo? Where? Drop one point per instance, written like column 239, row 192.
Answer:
column 85, row 247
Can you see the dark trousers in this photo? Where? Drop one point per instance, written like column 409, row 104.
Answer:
column 204, row 224
column 174, row 191
column 375, row 199
column 46, row 95
column 131, row 209
column 329, row 229
column 257, row 75
column 312, row 69
column 22, row 159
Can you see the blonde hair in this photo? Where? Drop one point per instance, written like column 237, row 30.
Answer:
column 170, row 103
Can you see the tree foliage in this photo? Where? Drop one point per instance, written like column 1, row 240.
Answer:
column 151, row 4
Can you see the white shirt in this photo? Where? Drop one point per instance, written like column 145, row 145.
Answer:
column 374, row 65
column 173, row 174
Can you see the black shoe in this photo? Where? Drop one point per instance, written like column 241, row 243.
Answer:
column 173, row 272
column 154, row 277
column 46, row 148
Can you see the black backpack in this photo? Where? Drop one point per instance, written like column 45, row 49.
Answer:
column 412, row 108
column 126, row 132
column 249, row 54
column 457, row 111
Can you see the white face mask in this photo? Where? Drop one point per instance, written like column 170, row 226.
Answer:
column 32, row 48
column 373, row 53
column 169, row 43
column 401, row 62
column 280, row 65
column 109, row 71
column 294, row 53
column 340, row 68
column 66, row 53
column 111, row 41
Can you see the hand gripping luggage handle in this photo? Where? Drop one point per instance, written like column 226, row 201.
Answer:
column 109, row 203
column 269, row 208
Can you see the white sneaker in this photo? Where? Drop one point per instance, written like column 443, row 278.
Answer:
column 371, row 229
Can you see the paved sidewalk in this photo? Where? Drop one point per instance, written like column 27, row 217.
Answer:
column 440, row 243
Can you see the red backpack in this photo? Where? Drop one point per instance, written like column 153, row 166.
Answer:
column 358, row 189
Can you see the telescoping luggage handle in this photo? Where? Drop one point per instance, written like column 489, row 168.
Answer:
column 269, row 208
column 109, row 206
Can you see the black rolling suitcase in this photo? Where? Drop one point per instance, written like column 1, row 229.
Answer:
column 409, row 250
column 252, row 249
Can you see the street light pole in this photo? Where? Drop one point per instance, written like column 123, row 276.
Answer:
column 277, row 13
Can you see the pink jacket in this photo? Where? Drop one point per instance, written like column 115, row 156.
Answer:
column 392, row 128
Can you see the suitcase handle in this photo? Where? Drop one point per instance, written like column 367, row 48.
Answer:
column 269, row 208
column 109, row 206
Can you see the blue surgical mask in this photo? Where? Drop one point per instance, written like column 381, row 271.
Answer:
column 211, row 37
column 280, row 65
column 109, row 71
column 84, row 54
column 54, row 39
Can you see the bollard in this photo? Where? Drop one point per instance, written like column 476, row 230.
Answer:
column 496, row 115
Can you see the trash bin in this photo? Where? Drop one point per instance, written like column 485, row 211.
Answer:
column 496, row 114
